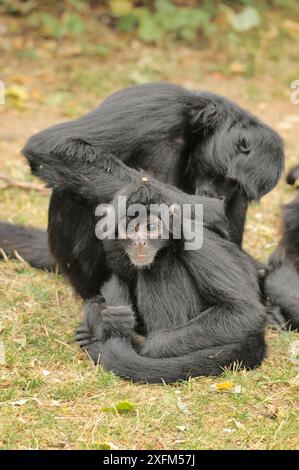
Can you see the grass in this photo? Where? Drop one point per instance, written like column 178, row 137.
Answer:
column 51, row 396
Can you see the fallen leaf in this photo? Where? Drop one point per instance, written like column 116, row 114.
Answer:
column 46, row 373
column 238, row 424
column 107, row 446
column 125, row 405
column 17, row 94
column 223, row 386
column 24, row 401
column 181, row 428
column 19, row 402
column 122, row 406
column 35, row 363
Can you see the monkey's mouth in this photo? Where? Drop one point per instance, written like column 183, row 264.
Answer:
column 141, row 260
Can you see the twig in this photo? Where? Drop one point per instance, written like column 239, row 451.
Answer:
column 22, row 185
column 3, row 254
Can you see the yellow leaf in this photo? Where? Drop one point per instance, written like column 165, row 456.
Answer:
column 107, row 446
column 17, row 92
column 121, row 7
column 227, row 385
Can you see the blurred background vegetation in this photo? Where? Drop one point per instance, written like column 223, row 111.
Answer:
column 102, row 45
column 254, row 32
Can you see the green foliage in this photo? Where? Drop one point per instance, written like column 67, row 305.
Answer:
column 155, row 20
column 167, row 18
column 70, row 24
column 247, row 19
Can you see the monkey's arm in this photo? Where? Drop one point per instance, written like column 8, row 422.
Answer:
column 96, row 175
column 82, row 169
column 235, row 312
column 109, row 316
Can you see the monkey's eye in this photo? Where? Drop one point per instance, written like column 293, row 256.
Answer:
column 151, row 227
column 243, row 145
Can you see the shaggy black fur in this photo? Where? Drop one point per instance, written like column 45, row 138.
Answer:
column 282, row 283
column 30, row 243
column 199, row 142
column 199, row 310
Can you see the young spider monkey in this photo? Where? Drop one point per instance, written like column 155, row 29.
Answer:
column 171, row 312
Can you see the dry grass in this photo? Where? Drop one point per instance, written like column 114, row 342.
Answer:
column 50, row 394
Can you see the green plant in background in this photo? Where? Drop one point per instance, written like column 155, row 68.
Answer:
column 181, row 22
column 244, row 34
column 70, row 24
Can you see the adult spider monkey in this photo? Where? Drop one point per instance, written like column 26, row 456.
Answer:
column 282, row 283
column 198, row 310
column 199, row 142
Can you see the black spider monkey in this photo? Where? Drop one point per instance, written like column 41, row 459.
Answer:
column 282, row 283
column 200, row 142
column 196, row 311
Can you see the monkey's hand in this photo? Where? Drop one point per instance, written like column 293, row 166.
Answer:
column 104, row 321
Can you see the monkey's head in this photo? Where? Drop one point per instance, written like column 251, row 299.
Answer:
column 147, row 227
column 233, row 151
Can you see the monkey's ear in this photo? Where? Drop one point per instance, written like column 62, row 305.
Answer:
column 203, row 116
column 293, row 175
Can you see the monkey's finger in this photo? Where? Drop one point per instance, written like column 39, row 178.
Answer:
column 83, row 336
column 275, row 319
column 84, row 341
column 83, row 329
column 87, row 342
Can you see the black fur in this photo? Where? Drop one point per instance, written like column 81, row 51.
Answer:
column 282, row 284
column 199, row 142
column 30, row 243
column 199, row 310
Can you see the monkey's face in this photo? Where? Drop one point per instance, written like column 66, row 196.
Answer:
column 142, row 238
column 246, row 157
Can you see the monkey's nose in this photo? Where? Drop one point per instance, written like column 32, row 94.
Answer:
column 139, row 243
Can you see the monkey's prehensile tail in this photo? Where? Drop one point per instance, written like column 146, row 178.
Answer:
column 118, row 356
column 29, row 242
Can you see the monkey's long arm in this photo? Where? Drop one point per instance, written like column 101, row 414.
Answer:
column 235, row 312
column 97, row 176
column 80, row 168
column 232, row 329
